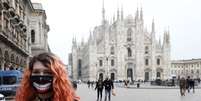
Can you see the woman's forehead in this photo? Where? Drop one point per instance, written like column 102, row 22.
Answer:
column 39, row 66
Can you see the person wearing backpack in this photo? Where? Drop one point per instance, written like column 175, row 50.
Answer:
column 108, row 84
column 99, row 88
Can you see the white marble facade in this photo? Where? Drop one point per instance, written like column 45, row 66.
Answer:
column 122, row 49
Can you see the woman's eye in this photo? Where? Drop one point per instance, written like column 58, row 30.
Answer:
column 47, row 72
column 36, row 72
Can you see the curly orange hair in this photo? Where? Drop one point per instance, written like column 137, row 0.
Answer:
column 62, row 88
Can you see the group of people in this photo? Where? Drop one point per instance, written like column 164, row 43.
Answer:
column 90, row 84
column 188, row 84
column 109, row 89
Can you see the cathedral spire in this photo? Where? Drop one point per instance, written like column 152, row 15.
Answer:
column 103, row 13
column 153, row 31
column 153, row 26
column 168, row 36
column 137, row 14
column 122, row 13
column 141, row 14
column 160, row 41
column 118, row 15
column 74, row 41
column 90, row 37
column 164, row 37
column 113, row 18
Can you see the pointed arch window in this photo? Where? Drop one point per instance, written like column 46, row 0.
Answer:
column 129, row 52
column 112, row 50
column 129, row 34
column 146, row 62
column 32, row 36
column 146, row 50
column 158, row 61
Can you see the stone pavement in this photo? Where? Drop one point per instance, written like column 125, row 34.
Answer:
column 126, row 94
column 148, row 86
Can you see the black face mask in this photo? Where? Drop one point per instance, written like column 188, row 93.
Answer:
column 42, row 83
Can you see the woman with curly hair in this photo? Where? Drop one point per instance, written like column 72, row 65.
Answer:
column 46, row 80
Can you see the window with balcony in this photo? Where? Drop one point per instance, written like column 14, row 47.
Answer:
column 158, row 61
column 112, row 62
column 100, row 63
column 129, row 34
column 129, row 52
column 146, row 62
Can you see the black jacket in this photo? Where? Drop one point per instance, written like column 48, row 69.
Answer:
column 99, row 85
column 108, row 84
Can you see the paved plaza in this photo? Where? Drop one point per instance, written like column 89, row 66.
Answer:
column 129, row 94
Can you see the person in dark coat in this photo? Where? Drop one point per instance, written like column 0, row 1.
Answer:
column 88, row 83
column 192, row 85
column 182, row 85
column 188, row 84
column 99, row 88
column 74, row 83
column 108, row 84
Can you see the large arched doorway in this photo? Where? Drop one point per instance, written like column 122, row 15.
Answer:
column 101, row 76
column 130, row 74
column 159, row 72
column 112, row 76
column 146, row 76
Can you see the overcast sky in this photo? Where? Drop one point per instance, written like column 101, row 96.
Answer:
column 68, row 18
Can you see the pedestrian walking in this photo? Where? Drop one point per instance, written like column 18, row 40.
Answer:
column 192, row 85
column 46, row 79
column 88, row 83
column 109, row 86
column 188, row 84
column 182, row 86
column 99, row 88
column 74, row 83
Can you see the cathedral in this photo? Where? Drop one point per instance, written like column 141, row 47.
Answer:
column 121, row 49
